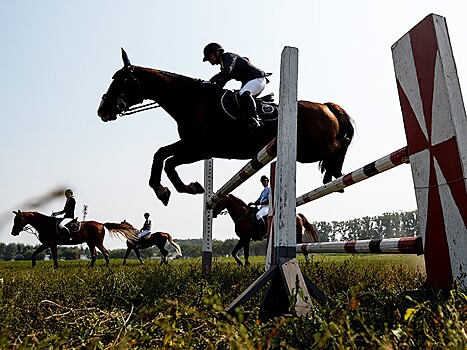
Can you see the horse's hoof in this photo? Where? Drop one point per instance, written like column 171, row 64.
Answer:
column 194, row 188
column 163, row 193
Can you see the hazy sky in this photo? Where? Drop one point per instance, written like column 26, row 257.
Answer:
column 58, row 58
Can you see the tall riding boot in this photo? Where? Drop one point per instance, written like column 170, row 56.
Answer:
column 249, row 109
column 66, row 233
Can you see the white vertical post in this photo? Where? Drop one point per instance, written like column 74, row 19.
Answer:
column 285, row 188
column 207, row 218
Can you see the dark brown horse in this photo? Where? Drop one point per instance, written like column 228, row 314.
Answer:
column 246, row 229
column 206, row 131
column 91, row 232
column 159, row 239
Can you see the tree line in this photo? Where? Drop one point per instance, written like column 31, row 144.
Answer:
column 387, row 225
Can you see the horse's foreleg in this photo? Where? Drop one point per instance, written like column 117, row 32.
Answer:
column 235, row 251
column 179, row 159
column 246, row 252
column 163, row 193
column 53, row 249
column 37, row 251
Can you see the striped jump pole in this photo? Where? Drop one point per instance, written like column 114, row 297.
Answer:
column 405, row 245
column 264, row 156
column 377, row 167
column 436, row 129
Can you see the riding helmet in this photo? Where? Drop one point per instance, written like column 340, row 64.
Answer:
column 264, row 177
column 211, row 47
column 69, row 192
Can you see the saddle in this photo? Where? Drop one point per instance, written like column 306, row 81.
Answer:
column 266, row 109
column 74, row 225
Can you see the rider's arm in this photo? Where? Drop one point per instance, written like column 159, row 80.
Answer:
column 227, row 65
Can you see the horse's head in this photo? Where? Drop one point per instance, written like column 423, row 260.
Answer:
column 18, row 223
column 219, row 208
column 123, row 92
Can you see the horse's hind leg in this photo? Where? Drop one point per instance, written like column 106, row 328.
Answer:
column 127, row 253
column 106, row 254
column 235, row 251
column 164, row 253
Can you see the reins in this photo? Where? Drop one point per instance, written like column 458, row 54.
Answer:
column 140, row 108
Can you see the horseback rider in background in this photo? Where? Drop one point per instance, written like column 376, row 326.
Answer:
column 263, row 201
column 69, row 211
column 239, row 68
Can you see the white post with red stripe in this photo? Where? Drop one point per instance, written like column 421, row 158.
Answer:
column 436, row 128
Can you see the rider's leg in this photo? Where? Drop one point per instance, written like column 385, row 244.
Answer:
column 64, row 230
column 252, row 88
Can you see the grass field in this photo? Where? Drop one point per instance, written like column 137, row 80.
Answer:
column 377, row 302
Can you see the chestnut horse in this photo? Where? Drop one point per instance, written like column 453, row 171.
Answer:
column 246, row 229
column 206, row 131
column 91, row 232
column 159, row 239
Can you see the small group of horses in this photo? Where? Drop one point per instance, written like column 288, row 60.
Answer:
column 324, row 133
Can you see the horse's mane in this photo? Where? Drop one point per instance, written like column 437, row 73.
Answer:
column 237, row 199
column 177, row 76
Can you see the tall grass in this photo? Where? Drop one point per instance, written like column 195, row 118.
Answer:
column 376, row 302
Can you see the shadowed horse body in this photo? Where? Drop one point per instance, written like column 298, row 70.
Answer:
column 206, row 131
column 246, row 229
column 158, row 239
column 90, row 232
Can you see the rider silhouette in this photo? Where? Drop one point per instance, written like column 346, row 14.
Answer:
column 146, row 229
column 239, row 68
column 69, row 211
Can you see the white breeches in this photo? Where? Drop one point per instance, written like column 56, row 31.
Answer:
column 264, row 210
column 64, row 222
column 143, row 233
column 255, row 86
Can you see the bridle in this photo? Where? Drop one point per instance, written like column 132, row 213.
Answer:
column 123, row 105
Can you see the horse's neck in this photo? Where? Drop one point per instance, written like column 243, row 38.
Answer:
column 176, row 94
column 38, row 221
column 236, row 209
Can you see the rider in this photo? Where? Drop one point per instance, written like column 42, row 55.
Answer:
column 263, row 201
column 69, row 211
column 239, row 68
column 146, row 229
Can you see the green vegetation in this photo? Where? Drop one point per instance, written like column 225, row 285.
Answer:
column 377, row 303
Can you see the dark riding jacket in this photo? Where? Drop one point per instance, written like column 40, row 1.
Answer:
column 236, row 67
column 69, row 208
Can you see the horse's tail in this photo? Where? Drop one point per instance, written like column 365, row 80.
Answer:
column 310, row 230
column 175, row 245
column 332, row 165
column 124, row 229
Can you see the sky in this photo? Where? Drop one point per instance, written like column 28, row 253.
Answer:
column 58, row 59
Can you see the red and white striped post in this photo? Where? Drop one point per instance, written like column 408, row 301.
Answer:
column 436, row 128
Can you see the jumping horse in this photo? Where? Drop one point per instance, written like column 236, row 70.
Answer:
column 159, row 239
column 90, row 232
column 246, row 229
column 207, row 131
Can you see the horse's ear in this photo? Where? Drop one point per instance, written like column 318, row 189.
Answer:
column 15, row 212
column 126, row 60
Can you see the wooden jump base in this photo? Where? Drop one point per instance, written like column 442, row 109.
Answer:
column 404, row 245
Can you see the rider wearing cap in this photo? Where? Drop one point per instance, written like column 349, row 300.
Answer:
column 263, row 211
column 146, row 229
column 239, row 68
column 69, row 211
